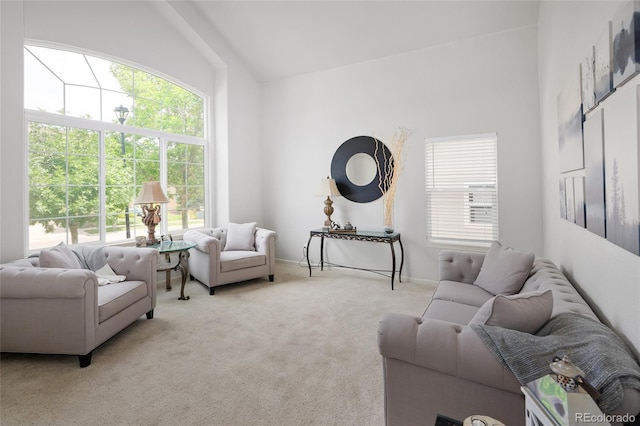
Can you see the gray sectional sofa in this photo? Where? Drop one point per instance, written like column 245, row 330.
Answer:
column 63, row 310
column 438, row 363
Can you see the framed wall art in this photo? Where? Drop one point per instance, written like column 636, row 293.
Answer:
column 625, row 40
column 594, row 172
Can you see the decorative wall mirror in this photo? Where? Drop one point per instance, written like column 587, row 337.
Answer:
column 355, row 169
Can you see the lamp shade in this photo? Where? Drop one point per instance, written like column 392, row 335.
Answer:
column 328, row 188
column 151, row 193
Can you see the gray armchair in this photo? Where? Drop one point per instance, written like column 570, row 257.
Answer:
column 214, row 262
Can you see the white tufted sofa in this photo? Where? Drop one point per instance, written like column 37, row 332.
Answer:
column 64, row 311
column 437, row 364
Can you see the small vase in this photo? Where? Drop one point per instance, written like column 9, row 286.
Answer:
column 387, row 215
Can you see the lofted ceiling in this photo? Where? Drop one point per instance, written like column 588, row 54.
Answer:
column 278, row 39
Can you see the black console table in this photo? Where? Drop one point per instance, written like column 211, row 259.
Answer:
column 371, row 236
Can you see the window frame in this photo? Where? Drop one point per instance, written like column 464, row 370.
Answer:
column 476, row 185
column 102, row 127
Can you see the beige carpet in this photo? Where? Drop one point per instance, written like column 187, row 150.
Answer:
column 299, row 351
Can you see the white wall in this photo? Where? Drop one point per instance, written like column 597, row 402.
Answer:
column 481, row 85
column 11, row 113
column 607, row 275
column 146, row 34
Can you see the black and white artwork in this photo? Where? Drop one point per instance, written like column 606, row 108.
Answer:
column 588, row 81
column 578, row 196
column 563, row 199
column 571, row 201
column 602, row 64
column 570, row 126
column 626, row 37
column 622, row 176
column 594, row 172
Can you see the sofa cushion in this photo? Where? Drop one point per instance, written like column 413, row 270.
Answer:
column 241, row 236
column 504, row 270
column 462, row 293
column 526, row 312
column 457, row 313
column 59, row 256
column 117, row 297
column 233, row 260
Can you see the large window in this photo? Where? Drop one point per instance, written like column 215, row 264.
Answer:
column 97, row 130
column 461, row 189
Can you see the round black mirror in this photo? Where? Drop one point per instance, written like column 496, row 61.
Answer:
column 355, row 168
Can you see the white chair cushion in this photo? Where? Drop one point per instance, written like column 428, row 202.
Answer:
column 234, row 260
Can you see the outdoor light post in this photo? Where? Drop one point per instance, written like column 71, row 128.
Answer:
column 121, row 114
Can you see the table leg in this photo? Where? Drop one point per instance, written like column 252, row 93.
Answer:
column 401, row 259
column 322, row 252
column 167, row 258
column 393, row 263
column 308, row 247
column 183, row 263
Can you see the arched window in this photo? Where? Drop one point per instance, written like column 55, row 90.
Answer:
column 97, row 130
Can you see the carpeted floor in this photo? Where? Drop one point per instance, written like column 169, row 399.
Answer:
column 299, row 351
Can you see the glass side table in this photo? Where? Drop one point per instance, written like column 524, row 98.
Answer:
column 181, row 263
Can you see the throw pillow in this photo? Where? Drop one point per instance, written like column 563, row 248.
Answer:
column 526, row 312
column 504, row 270
column 59, row 256
column 106, row 275
column 241, row 236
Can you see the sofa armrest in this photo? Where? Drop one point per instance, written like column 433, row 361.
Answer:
column 265, row 240
column 460, row 266
column 46, row 283
column 48, row 310
column 204, row 242
column 449, row 348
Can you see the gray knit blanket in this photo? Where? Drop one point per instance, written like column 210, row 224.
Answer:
column 608, row 363
column 90, row 257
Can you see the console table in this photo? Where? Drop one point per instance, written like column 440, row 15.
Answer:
column 371, row 236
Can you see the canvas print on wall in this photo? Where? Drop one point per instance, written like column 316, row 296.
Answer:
column 626, row 36
column 622, row 175
column 563, row 199
column 602, row 63
column 570, row 127
column 588, row 81
column 571, row 201
column 594, row 172
column 578, row 196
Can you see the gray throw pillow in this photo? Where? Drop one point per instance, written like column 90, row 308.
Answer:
column 59, row 256
column 504, row 270
column 526, row 312
column 241, row 236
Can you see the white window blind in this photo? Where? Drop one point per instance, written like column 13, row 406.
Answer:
column 462, row 189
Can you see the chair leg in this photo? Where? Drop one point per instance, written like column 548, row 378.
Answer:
column 271, row 277
column 150, row 314
column 212, row 291
column 85, row 360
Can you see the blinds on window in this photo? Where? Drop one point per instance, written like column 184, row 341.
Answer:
column 461, row 189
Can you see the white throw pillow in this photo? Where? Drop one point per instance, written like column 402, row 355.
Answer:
column 504, row 270
column 59, row 256
column 241, row 236
column 526, row 312
column 106, row 275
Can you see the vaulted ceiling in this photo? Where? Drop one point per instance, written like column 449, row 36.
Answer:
column 278, row 39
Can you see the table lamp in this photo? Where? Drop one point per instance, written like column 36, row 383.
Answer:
column 151, row 193
column 328, row 188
